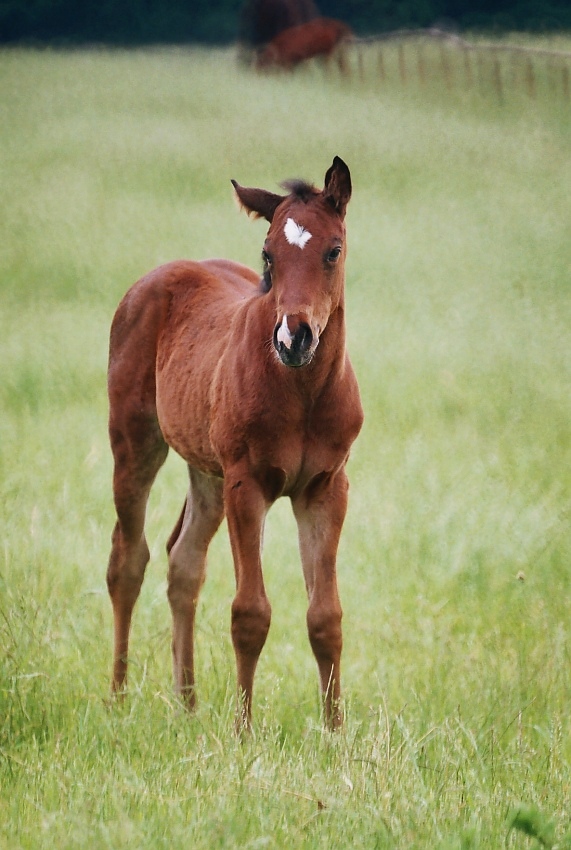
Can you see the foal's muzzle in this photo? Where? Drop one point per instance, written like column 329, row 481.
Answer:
column 294, row 341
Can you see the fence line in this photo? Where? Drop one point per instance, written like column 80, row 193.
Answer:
column 515, row 63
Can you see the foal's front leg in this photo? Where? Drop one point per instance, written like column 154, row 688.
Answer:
column 320, row 511
column 246, row 509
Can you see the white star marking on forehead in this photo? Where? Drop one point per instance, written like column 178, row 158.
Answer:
column 296, row 234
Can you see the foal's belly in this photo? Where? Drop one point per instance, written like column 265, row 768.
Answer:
column 190, row 440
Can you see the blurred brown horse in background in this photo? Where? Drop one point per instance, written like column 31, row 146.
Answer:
column 250, row 382
column 319, row 37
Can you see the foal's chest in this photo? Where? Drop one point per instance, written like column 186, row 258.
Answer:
column 286, row 463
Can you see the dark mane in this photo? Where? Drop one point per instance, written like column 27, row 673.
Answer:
column 300, row 188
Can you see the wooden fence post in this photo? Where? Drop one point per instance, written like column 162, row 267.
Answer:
column 498, row 78
column 565, row 80
column 421, row 65
column 530, row 78
column 381, row 64
column 481, row 73
column 467, row 67
column 402, row 63
column 445, row 65
column 361, row 65
column 342, row 63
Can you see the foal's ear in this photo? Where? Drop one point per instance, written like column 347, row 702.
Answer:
column 337, row 191
column 257, row 201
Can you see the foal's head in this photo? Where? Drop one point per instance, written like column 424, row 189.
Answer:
column 304, row 258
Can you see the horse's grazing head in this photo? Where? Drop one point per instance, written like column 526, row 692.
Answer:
column 304, row 257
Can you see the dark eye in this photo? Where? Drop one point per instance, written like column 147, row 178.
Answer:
column 334, row 254
column 266, row 283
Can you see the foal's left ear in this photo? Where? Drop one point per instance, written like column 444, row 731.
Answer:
column 337, row 191
column 257, row 201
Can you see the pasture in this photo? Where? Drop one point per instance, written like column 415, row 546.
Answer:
column 454, row 565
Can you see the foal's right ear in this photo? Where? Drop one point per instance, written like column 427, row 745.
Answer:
column 337, row 191
column 261, row 203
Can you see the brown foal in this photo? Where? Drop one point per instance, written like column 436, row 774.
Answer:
column 250, row 382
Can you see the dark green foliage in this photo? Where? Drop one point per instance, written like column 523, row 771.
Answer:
column 529, row 820
column 217, row 21
column 119, row 21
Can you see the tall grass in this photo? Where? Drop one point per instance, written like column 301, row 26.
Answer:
column 454, row 564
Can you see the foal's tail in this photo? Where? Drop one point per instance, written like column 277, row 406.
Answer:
column 176, row 530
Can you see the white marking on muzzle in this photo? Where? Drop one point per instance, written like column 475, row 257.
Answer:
column 296, row 234
column 283, row 334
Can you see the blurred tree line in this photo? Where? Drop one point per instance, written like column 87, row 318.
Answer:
column 124, row 22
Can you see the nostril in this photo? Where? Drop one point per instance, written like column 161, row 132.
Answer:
column 303, row 337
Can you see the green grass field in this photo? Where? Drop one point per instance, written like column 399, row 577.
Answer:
column 455, row 564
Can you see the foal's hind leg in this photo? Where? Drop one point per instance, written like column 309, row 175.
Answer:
column 139, row 451
column 202, row 514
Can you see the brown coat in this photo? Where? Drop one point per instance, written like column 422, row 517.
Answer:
column 250, row 382
column 319, row 37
